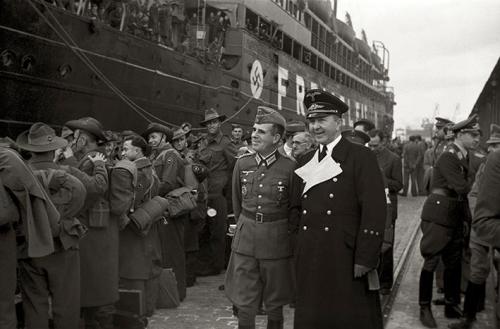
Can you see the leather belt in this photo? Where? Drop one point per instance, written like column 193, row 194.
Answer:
column 261, row 218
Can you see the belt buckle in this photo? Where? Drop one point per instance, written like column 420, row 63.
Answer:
column 259, row 217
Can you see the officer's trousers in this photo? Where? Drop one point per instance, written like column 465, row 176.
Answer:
column 8, row 261
column 479, row 262
column 250, row 281
column 451, row 256
column 56, row 275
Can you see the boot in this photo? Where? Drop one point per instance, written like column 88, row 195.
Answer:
column 463, row 324
column 242, row 326
column 274, row 324
column 426, row 316
column 452, row 285
column 471, row 301
column 481, row 297
column 452, row 311
column 425, row 287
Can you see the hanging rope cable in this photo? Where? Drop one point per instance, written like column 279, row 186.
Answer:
column 91, row 65
column 70, row 43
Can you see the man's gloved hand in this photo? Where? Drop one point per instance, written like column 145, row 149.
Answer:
column 360, row 270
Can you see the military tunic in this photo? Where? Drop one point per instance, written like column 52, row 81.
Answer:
column 219, row 157
column 342, row 224
column 260, row 266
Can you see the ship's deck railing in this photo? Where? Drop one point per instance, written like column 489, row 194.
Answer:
column 162, row 23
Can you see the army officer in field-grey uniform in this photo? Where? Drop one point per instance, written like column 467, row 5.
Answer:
column 259, row 267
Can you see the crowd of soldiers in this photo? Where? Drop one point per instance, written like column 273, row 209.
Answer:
column 165, row 22
column 90, row 216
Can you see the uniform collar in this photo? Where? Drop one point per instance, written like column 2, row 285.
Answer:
column 267, row 161
column 461, row 149
column 142, row 162
column 330, row 146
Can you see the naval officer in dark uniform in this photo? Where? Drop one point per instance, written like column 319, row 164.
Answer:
column 260, row 265
column 343, row 203
column 444, row 215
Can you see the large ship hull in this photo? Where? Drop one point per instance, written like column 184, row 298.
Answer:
column 44, row 76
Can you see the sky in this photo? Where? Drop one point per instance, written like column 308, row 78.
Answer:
column 441, row 51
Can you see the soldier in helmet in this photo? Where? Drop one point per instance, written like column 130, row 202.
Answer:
column 444, row 215
column 260, row 262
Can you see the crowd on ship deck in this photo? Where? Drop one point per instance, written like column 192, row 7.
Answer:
column 101, row 228
column 165, row 22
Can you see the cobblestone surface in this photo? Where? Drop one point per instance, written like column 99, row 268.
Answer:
column 206, row 307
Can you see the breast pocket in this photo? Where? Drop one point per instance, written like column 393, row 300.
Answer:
column 246, row 183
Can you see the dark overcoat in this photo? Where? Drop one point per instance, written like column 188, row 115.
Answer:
column 140, row 252
column 486, row 220
column 169, row 166
column 99, row 247
column 342, row 224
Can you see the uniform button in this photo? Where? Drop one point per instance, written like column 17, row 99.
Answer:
column 259, row 196
column 304, row 228
column 328, row 212
column 304, row 211
column 244, row 179
column 327, row 229
column 366, row 231
column 376, row 233
column 371, row 232
column 259, row 207
column 262, row 174
column 331, row 196
column 335, row 179
column 438, row 202
column 280, row 183
column 260, row 185
column 305, row 196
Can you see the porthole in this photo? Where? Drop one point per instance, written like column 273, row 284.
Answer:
column 27, row 63
column 65, row 70
column 8, row 58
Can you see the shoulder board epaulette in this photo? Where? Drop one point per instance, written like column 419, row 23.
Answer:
column 479, row 155
column 244, row 155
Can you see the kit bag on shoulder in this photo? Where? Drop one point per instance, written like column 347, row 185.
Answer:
column 144, row 216
column 67, row 194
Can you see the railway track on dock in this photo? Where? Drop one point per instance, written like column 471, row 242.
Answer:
column 400, row 269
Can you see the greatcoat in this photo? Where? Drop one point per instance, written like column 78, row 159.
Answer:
column 99, row 248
